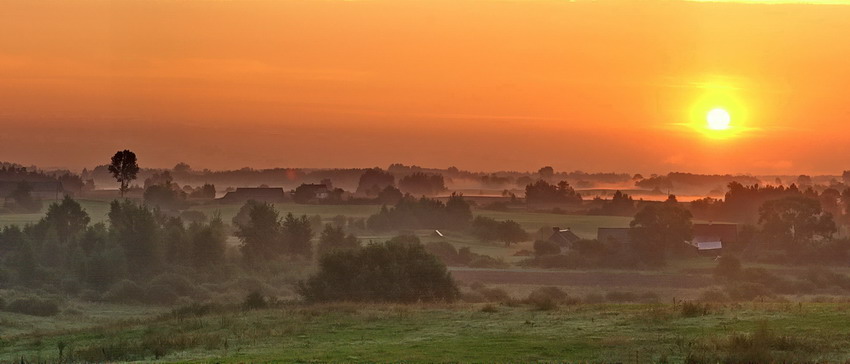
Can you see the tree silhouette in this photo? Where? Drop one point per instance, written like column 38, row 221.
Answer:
column 124, row 168
column 795, row 220
column 659, row 228
column 546, row 173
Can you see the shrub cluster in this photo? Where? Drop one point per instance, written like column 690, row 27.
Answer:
column 584, row 254
column 424, row 213
column 694, row 309
column 508, row 231
column 164, row 289
column 400, row 270
column 463, row 256
column 254, row 301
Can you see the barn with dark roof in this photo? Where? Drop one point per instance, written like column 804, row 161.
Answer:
column 261, row 194
column 563, row 237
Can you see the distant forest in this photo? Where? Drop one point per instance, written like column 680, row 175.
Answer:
column 348, row 179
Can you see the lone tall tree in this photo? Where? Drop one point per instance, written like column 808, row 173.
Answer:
column 124, row 168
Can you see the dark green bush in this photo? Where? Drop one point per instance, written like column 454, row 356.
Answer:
column 489, row 308
column 396, row 271
column 446, row 252
column 254, row 301
column 694, row 309
column 546, row 247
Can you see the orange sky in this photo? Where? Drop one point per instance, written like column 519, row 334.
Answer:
column 479, row 84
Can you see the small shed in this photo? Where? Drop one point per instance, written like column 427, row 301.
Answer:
column 709, row 238
column 707, row 245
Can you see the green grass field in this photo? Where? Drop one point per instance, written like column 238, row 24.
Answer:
column 461, row 332
column 96, row 209
column 627, row 333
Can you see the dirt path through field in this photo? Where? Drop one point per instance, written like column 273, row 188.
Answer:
column 564, row 278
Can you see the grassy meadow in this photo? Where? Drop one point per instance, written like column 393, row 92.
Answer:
column 610, row 315
column 626, row 333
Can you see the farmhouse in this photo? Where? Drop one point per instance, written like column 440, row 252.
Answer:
column 563, row 237
column 613, row 235
column 261, row 194
column 320, row 191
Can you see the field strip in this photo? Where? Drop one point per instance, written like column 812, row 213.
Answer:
column 562, row 278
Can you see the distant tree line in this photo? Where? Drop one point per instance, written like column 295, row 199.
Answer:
column 544, row 192
column 680, row 180
column 265, row 235
column 423, row 213
column 792, row 224
column 620, row 204
column 488, row 229
column 136, row 243
column 743, row 203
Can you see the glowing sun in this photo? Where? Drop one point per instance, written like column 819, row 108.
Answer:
column 718, row 119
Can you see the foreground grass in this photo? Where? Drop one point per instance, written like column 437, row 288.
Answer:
column 461, row 332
